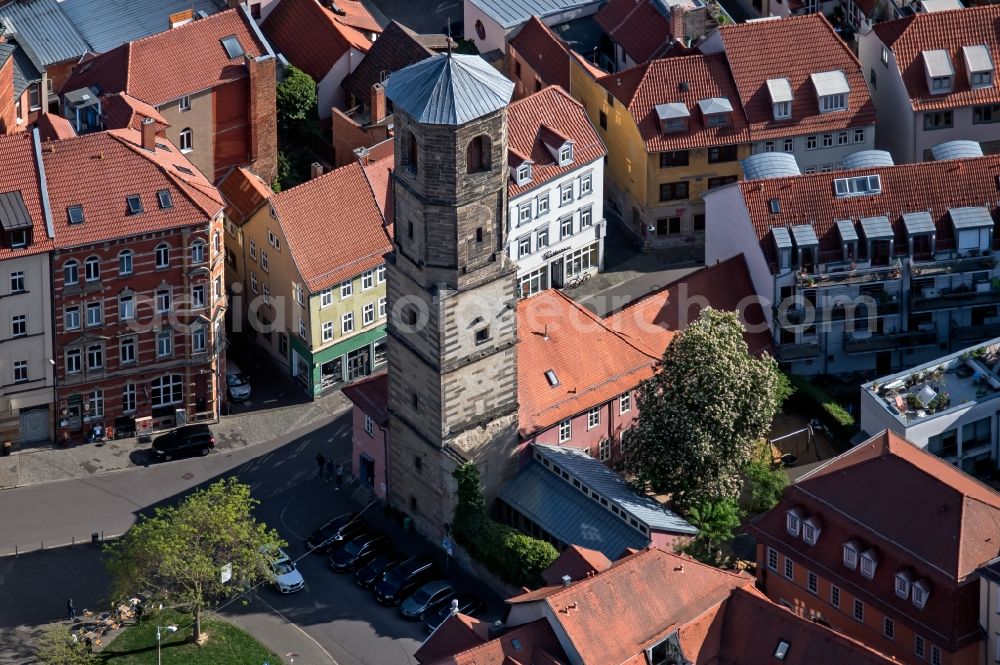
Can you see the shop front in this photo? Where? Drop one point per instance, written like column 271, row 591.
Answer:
column 349, row 360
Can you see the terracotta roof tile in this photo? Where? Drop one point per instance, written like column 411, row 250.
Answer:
column 244, row 193
column 311, row 36
column 638, row 27
column 369, row 395
column 682, row 79
column 121, row 111
column 52, row 126
column 931, row 186
column 954, row 527
column 456, row 634
column 949, row 30
column 378, row 170
column 19, row 173
column 550, row 112
column 356, row 16
column 793, row 49
column 397, row 47
column 338, row 205
column 170, row 64
column 98, row 171
column 517, row 646
column 543, row 51
column 577, row 562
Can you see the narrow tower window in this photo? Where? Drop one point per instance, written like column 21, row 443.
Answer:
column 478, row 154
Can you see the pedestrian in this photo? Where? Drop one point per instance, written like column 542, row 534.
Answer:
column 138, row 614
column 329, row 470
column 320, row 464
column 340, row 475
column 70, row 609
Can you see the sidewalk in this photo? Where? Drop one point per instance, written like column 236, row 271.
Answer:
column 255, row 424
column 291, row 643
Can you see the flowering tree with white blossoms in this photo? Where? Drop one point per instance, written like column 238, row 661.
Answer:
column 703, row 413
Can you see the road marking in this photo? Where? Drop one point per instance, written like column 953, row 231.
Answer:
column 298, row 628
column 281, row 518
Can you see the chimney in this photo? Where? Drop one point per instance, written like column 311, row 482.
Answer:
column 148, row 134
column 263, row 146
column 315, row 170
column 677, row 22
column 454, row 606
column 378, row 103
column 363, row 155
column 566, row 579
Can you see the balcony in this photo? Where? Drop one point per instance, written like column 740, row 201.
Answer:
column 802, row 351
column 794, row 316
column 845, row 272
column 950, row 261
column 960, row 296
column 888, row 341
column 969, row 335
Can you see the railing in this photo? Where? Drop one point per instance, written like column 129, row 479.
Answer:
column 843, row 273
column 888, row 341
column 948, row 298
column 805, row 350
column 950, row 262
column 797, row 315
column 968, row 335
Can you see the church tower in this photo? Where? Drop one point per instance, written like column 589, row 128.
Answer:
column 452, row 292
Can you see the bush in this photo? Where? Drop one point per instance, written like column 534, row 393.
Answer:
column 716, row 522
column 765, row 485
column 814, row 399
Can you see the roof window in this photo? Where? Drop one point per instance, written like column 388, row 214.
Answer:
column 921, row 591
column 903, row 580
column 183, row 169
column 522, row 175
column 979, row 64
column 793, row 521
column 550, row 376
column 851, row 554
column 233, row 47
column 831, row 90
column 781, row 650
column 163, row 196
column 939, row 71
column 75, row 214
column 775, row 206
column 869, row 562
column 811, row 529
column 134, row 204
column 566, row 154
column 781, row 98
column 860, row 185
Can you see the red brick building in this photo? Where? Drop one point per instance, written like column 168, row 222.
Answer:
column 882, row 544
column 137, row 280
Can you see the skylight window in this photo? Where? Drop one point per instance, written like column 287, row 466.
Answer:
column 184, row 169
column 781, row 650
column 75, row 214
column 515, row 644
column 775, row 206
column 550, row 376
column 134, row 204
column 163, row 196
column 233, row 47
column 866, row 184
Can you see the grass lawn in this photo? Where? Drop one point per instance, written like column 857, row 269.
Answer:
column 226, row 645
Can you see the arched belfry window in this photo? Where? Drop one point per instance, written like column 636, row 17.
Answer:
column 478, row 154
column 410, row 151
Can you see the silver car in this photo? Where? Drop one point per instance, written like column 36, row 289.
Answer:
column 283, row 573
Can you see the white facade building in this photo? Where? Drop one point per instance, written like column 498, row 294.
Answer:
column 556, row 191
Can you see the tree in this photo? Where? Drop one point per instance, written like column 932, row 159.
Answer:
column 296, row 98
column 179, row 552
column 764, row 484
column 716, row 522
column 57, row 646
column 702, row 413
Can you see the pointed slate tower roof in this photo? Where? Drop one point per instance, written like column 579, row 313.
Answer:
column 449, row 89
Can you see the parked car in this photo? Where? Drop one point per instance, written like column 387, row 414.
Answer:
column 468, row 604
column 399, row 582
column 183, row 441
column 358, row 552
column 331, row 534
column 366, row 576
column 427, row 599
column 282, row 572
column 237, row 383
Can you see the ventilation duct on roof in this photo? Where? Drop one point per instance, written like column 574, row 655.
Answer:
column 956, row 150
column 866, row 159
column 770, row 165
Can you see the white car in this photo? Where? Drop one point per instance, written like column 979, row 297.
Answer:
column 283, row 573
column 237, row 383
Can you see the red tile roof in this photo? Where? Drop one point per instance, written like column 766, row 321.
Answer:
column 121, row 111
column 528, row 644
column 638, row 27
column 549, row 112
column 170, row 64
column 949, row 30
column 98, row 171
column 378, row 168
column 577, row 562
column 663, row 81
column 244, row 193
column 456, row 634
column 341, row 205
column 543, row 51
column 549, row 327
column 953, row 527
column 652, row 321
column 52, row 126
column 311, row 36
column 356, row 15
column 793, row 48
column 369, row 395
column 931, row 186
column 19, row 173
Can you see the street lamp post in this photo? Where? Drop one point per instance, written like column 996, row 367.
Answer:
column 169, row 629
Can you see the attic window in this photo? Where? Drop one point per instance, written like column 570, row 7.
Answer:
column 832, row 89
column 233, row 47
column 979, row 64
column 515, row 644
column 939, row 70
column 793, row 521
column 811, row 530
column 163, row 196
column 550, row 376
column 903, row 579
column 183, row 169
column 134, row 204
column 870, row 184
column 523, row 175
column 869, row 562
column 566, row 154
column 920, row 594
column 851, row 554
column 781, row 650
column 775, row 206
column 717, row 120
column 782, row 110
column 75, row 214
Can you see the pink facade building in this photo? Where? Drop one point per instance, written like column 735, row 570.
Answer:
column 370, row 431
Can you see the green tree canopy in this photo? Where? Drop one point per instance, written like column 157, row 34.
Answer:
column 178, row 553
column 716, row 522
column 296, row 98
column 56, row 646
column 703, row 412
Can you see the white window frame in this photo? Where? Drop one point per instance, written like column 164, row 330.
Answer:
column 96, row 401
column 789, row 569
column 71, row 267
column 586, row 184
column 164, row 343
column 593, row 417
column 17, row 283
column 263, row 261
column 325, row 298
column 126, row 307
column 604, row 450
column 185, row 140
column 524, row 246
column 381, row 307
column 835, row 595
column 624, row 403
column 198, row 296
column 772, row 559
column 126, row 262
column 566, row 194
column 199, row 339
column 869, row 564
column 162, row 301
column 253, row 249
column 19, row 325
column 523, row 214
column 782, row 110
column 130, row 344
column 95, row 356
column 128, row 398
column 812, row 583
column 184, row 103
column 327, row 331
column 793, row 522
column 346, row 289
column 97, row 307
column 368, row 314
column 830, row 103
column 74, row 361
column 565, row 430
column 20, row 371
column 198, row 251
column 850, row 555
column 368, row 280
column 542, row 204
column 346, row 323
column 92, row 269
column 162, row 254
column 369, row 426
column 380, row 274
column 71, row 318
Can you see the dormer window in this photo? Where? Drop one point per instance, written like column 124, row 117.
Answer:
column 903, row 580
column 18, row 238
column 869, row 562
column 939, row 71
column 717, row 111
column 810, row 530
column 851, row 554
column 781, row 98
column 920, row 592
column 522, row 176
column 979, row 64
column 15, row 221
column 793, row 521
column 566, row 154
column 672, row 117
column 782, row 110
column 832, row 90
column 870, row 184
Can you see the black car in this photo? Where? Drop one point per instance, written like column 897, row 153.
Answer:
column 332, row 534
column 404, row 579
column 367, row 575
column 358, row 552
column 469, row 604
column 183, row 441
